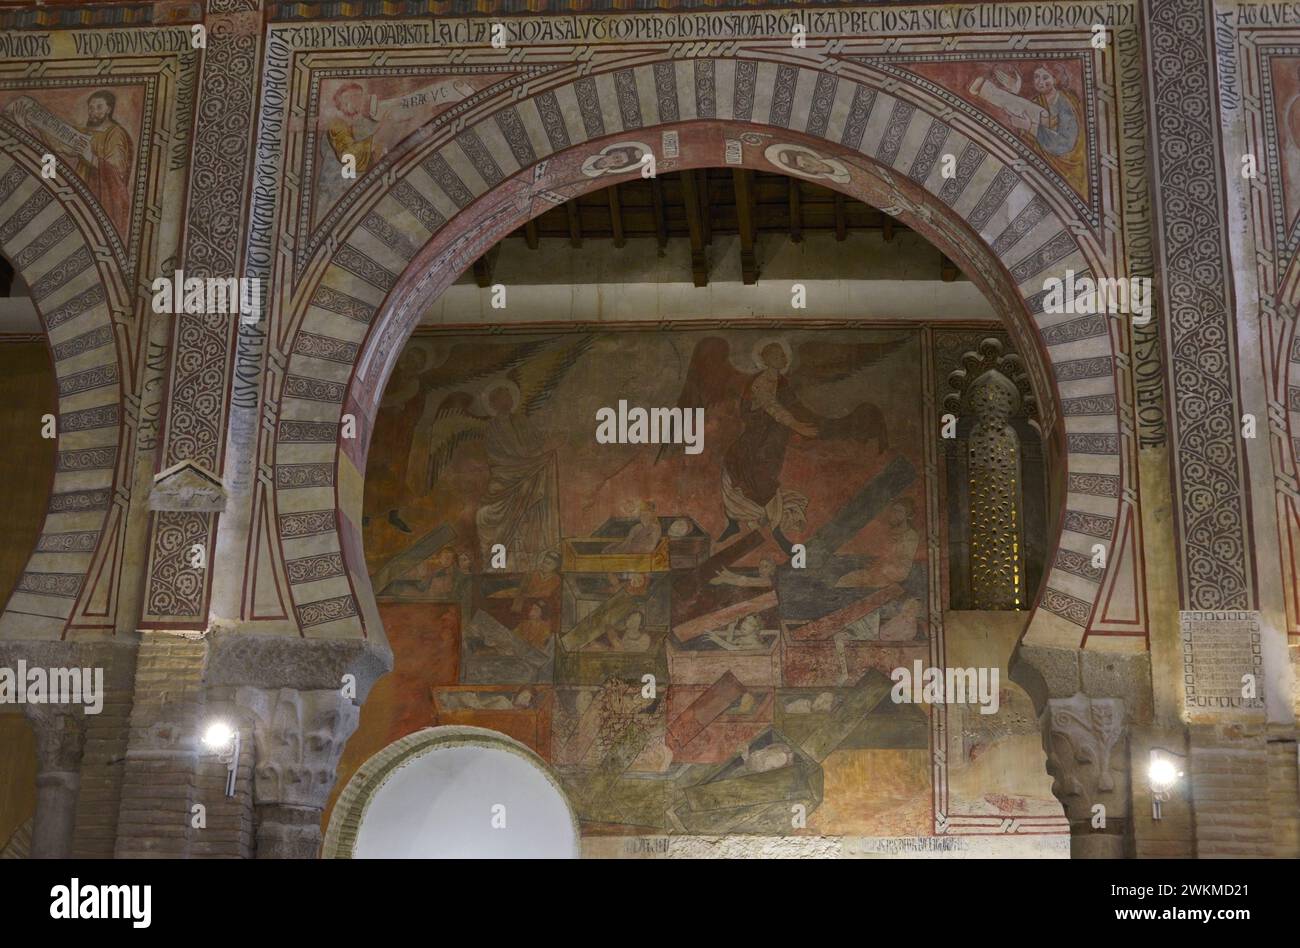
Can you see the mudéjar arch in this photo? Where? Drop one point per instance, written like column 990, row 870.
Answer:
column 465, row 183
column 61, row 242
column 927, row 111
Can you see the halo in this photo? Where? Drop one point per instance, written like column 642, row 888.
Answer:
column 485, row 406
column 766, row 341
column 427, row 350
column 773, row 153
column 588, row 165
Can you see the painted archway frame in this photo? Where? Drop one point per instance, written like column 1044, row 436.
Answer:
column 57, row 240
column 340, row 840
column 410, row 233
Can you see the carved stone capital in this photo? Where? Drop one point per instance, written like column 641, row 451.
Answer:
column 298, row 736
column 1081, row 735
column 60, row 736
column 239, row 659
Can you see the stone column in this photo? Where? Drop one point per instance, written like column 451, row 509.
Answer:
column 60, row 737
column 1085, row 740
column 299, row 737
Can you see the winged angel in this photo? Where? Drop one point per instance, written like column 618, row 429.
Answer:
column 489, row 394
column 772, row 408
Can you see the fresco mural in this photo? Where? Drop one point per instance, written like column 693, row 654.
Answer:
column 366, row 118
column 770, row 682
column 1040, row 100
column 94, row 131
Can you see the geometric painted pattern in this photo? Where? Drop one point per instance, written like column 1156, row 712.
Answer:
column 854, row 119
column 40, row 234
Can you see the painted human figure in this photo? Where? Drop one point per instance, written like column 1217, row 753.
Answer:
column 542, row 583
column 105, row 163
column 751, row 468
column 898, row 552
column 645, row 533
column 536, row 629
column 352, row 131
column 1059, row 133
column 520, row 509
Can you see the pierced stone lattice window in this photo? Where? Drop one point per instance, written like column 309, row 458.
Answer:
column 988, row 392
column 996, row 570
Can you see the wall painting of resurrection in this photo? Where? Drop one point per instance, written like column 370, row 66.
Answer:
column 650, row 635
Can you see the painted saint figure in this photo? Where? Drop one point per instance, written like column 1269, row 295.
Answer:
column 519, row 510
column 1060, row 133
column 1052, row 118
column 771, row 409
column 351, row 131
column 101, row 151
column 751, row 468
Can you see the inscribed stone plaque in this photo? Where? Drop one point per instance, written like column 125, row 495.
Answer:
column 1219, row 649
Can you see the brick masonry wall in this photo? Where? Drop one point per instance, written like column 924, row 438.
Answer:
column 158, row 779
column 1229, row 780
column 1173, row 835
column 1284, row 796
column 104, row 753
column 166, row 771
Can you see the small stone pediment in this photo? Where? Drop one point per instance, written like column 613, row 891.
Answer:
column 186, row 486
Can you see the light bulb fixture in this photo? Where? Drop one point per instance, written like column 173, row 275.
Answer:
column 223, row 740
column 1163, row 774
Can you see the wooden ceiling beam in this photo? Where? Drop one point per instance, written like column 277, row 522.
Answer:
column 691, row 199
column 575, row 225
column 661, row 220
column 616, row 216
column 705, row 204
column 796, row 212
column 745, row 225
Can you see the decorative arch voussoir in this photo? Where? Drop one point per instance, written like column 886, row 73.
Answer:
column 995, row 213
column 62, row 264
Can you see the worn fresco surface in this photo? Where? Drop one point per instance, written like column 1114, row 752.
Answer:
column 650, row 634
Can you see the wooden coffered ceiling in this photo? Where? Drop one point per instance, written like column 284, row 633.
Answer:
column 698, row 205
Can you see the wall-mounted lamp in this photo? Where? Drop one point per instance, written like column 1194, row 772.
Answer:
column 223, row 740
column 1163, row 774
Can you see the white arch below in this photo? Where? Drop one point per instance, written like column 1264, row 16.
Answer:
column 453, row 793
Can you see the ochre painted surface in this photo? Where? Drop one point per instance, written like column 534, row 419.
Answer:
column 18, row 777
column 27, row 462
column 770, row 710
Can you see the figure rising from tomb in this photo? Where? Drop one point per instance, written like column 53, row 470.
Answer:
column 772, row 409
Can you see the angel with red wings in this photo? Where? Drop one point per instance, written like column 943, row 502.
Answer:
column 771, row 411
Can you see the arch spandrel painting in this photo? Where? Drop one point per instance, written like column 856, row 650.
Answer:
column 1280, row 82
column 768, row 683
column 1043, row 101
column 95, row 131
column 369, row 119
